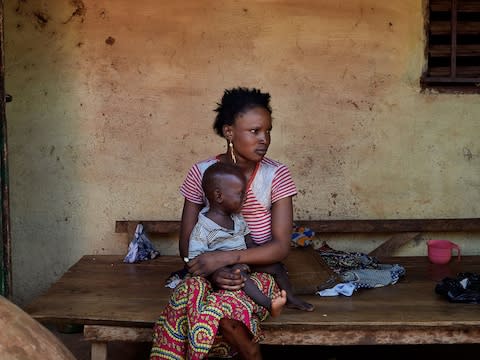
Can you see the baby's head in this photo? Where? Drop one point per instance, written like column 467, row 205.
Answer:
column 224, row 186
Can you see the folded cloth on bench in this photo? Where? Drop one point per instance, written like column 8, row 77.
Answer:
column 358, row 270
column 345, row 289
column 384, row 274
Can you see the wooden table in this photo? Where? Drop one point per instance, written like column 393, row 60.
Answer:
column 118, row 301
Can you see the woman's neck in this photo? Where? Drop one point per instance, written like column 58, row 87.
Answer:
column 247, row 167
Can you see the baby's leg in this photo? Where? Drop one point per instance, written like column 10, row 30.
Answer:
column 252, row 290
column 274, row 305
column 279, row 272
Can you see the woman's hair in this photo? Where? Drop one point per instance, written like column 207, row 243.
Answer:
column 236, row 101
column 214, row 175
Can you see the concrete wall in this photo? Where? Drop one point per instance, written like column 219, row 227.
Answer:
column 113, row 102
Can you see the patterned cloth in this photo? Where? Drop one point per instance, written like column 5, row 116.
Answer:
column 384, row 274
column 140, row 248
column 302, row 236
column 358, row 270
column 341, row 261
column 189, row 323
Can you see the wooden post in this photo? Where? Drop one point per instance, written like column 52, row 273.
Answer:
column 99, row 351
column 5, row 262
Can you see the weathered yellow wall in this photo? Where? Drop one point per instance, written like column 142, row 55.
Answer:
column 113, row 102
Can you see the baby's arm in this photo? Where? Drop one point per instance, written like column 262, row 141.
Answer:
column 249, row 242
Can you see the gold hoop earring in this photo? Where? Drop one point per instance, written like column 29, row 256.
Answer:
column 232, row 154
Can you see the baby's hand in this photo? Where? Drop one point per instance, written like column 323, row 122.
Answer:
column 228, row 279
column 242, row 267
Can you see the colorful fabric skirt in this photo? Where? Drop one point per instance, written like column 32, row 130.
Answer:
column 188, row 326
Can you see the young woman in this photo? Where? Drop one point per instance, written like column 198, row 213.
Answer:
column 183, row 330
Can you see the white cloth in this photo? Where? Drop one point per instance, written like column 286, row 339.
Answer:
column 345, row 289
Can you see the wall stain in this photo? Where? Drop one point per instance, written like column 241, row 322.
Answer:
column 467, row 154
column 103, row 14
column 333, row 199
column 79, row 10
column 41, row 18
column 18, row 9
column 110, row 40
column 354, row 104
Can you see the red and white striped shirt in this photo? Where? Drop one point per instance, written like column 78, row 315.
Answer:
column 270, row 182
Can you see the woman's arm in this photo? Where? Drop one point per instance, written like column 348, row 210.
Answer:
column 271, row 252
column 189, row 219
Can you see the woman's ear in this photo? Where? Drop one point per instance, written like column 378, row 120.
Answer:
column 227, row 132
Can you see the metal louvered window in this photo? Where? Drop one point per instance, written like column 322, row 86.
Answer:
column 453, row 45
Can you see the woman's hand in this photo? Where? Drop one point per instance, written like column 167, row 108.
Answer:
column 206, row 263
column 228, row 279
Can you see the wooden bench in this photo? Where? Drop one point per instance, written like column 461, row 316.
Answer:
column 401, row 230
column 116, row 301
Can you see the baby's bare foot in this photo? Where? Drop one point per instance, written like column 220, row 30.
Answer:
column 278, row 303
column 296, row 303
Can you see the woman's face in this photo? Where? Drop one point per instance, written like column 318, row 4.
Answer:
column 251, row 134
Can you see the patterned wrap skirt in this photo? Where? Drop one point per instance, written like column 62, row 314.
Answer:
column 188, row 326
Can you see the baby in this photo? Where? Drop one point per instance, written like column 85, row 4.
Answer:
column 220, row 226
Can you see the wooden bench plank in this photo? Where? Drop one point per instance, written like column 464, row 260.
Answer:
column 372, row 336
column 150, row 226
column 99, row 333
column 336, row 226
column 309, row 335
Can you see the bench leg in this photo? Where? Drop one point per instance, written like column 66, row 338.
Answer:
column 99, row 350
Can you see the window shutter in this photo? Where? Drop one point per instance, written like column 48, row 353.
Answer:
column 453, row 48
